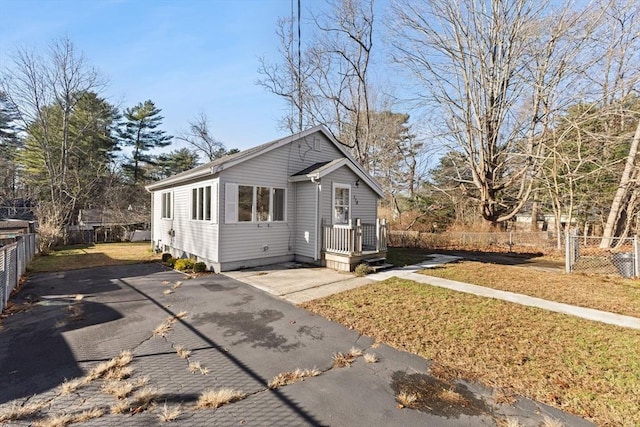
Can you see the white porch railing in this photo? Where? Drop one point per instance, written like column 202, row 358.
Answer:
column 355, row 237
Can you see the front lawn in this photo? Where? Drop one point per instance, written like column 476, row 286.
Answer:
column 584, row 367
column 98, row 255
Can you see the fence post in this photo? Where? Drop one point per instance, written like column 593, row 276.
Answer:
column 511, row 241
column 567, row 252
column 3, row 279
column 636, row 254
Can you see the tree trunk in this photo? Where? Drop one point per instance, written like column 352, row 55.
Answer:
column 621, row 193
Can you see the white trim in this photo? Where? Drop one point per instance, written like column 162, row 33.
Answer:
column 163, row 205
column 230, row 203
column 334, row 165
column 335, row 186
column 215, row 196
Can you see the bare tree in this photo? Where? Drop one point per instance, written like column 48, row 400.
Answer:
column 328, row 82
column 44, row 92
column 617, row 79
column 492, row 69
column 202, row 140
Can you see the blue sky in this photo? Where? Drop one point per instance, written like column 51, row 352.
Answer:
column 188, row 57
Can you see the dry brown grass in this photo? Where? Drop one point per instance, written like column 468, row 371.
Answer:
column 101, row 254
column 70, row 386
column 120, row 407
column 551, row 422
column 405, row 400
column 169, row 414
column 163, row 329
column 119, row 389
column 18, row 412
column 370, row 358
column 355, row 352
column 217, row 398
column 115, row 368
column 341, row 360
column 182, row 352
column 607, row 293
column 588, row 368
column 286, row 378
column 62, row 420
column 195, row 366
column 143, row 399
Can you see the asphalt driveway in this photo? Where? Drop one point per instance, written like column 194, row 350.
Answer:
column 238, row 337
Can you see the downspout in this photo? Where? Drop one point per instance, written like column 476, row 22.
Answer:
column 316, row 215
column 151, row 222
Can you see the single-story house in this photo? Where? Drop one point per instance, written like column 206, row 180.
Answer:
column 300, row 198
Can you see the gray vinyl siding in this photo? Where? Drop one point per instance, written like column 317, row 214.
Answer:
column 192, row 238
column 306, row 227
column 364, row 201
column 248, row 240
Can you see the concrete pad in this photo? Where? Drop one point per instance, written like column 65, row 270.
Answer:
column 322, row 291
column 288, row 278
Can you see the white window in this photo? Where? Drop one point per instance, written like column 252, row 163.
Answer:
column 166, row 208
column 245, row 203
column 201, row 203
column 248, row 203
column 341, row 203
column 277, row 204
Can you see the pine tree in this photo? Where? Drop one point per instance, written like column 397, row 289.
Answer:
column 140, row 131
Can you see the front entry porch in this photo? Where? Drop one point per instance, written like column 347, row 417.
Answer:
column 344, row 246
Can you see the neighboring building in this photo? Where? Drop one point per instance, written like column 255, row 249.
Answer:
column 300, row 198
column 107, row 225
column 12, row 228
column 17, row 209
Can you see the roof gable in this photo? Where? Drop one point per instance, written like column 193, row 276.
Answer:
column 229, row 161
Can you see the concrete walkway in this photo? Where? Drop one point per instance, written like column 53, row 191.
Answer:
column 306, row 284
column 583, row 312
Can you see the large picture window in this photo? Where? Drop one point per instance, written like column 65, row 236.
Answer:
column 255, row 204
column 165, row 209
column 201, row 202
column 341, row 203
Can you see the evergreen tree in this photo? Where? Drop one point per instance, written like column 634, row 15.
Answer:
column 9, row 144
column 87, row 158
column 140, row 131
column 175, row 162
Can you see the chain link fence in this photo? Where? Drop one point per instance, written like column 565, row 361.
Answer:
column 496, row 241
column 14, row 258
column 584, row 255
